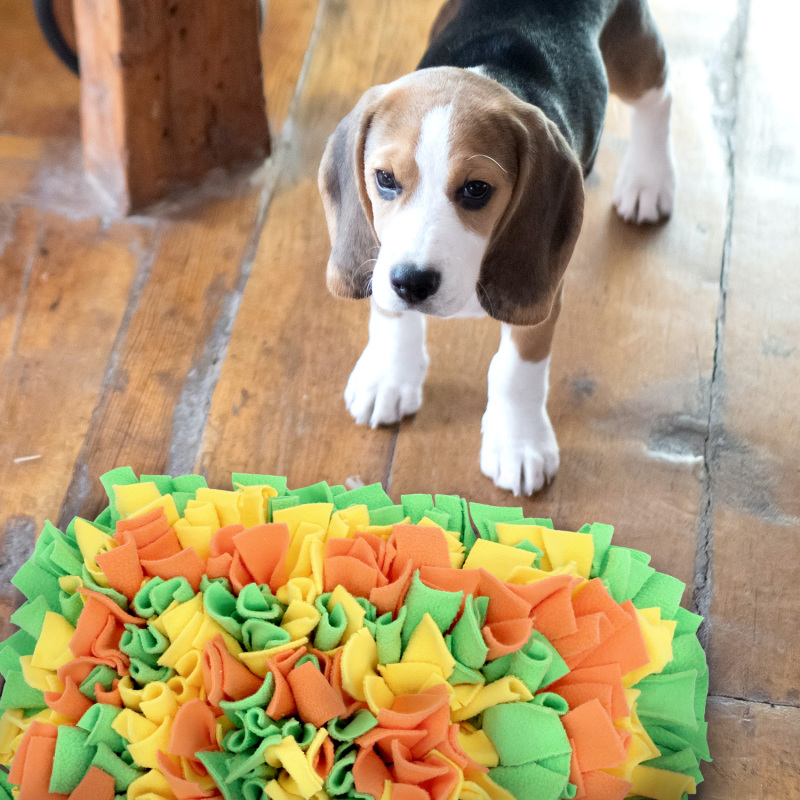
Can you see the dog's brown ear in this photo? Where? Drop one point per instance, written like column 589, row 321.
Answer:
column 347, row 207
column 534, row 239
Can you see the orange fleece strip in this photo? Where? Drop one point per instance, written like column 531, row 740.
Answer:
column 222, row 540
column 391, row 597
column 122, row 567
column 225, row 677
column 111, row 697
column 591, row 630
column 317, row 701
column 182, row 788
column 597, row 745
column 96, row 785
column 625, row 646
column 145, row 529
column 282, row 703
column 71, row 702
column 324, row 758
column 504, row 604
column 419, row 546
column 194, row 730
column 186, row 563
column 451, row 580
column 507, row 637
column 593, row 597
column 263, row 551
column 554, row 617
column 602, row 786
column 609, row 674
column 33, row 763
column 539, row 591
column 370, row 773
column 240, row 576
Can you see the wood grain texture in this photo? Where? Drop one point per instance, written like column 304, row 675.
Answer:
column 755, row 752
column 284, row 44
column 113, row 337
column 152, row 411
column 755, row 475
column 278, row 405
column 74, row 301
column 633, row 350
column 169, row 91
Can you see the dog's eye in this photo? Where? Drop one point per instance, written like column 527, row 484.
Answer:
column 475, row 195
column 386, row 181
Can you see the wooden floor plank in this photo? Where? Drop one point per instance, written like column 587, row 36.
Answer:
column 19, row 229
column 153, row 409
column 755, row 637
column 78, row 290
column 755, row 752
column 284, row 43
column 633, row 350
column 278, row 405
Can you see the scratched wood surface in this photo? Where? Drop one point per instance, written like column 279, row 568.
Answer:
column 200, row 335
column 755, row 426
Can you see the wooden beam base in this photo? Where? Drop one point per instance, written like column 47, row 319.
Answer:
column 170, row 89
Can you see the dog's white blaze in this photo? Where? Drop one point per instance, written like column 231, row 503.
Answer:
column 428, row 232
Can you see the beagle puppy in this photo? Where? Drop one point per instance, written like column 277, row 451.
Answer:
column 457, row 190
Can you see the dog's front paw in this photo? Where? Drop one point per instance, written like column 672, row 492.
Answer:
column 645, row 187
column 519, row 452
column 382, row 391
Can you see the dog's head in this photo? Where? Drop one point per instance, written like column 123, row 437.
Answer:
column 442, row 185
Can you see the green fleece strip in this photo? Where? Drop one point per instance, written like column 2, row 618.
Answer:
column 30, row 616
column 164, row 483
column 97, row 723
column 350, row 729
column 417, row 506
column 316, row 493
column 72, row 759
column 468, row 645
column 34, row 581
column 442, row 606
column 602, row 535
column 189, row 483
column 372, row 496
column 388, row 636
column 450, row 504
column 388, row 515
column 157, row 595
column 277, row 482
column 486, row 518
column 668, row 698
column 331, row 626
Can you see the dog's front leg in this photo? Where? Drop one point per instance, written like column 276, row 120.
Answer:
column 519, row 449
column 386, row 383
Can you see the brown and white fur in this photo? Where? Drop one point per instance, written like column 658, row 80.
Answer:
column 425, row 247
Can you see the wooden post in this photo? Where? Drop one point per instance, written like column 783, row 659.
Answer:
column 170, row 89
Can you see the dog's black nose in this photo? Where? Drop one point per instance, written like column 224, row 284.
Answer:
column 414, row 284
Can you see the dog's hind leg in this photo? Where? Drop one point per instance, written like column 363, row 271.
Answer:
column 636, row 65
column 386, row 383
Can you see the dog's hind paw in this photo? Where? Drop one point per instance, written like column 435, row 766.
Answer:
column 645, row 188
column 520, row 458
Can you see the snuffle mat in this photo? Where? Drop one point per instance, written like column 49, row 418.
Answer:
column 322, row 643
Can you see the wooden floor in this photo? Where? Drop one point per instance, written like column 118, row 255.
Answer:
column 200, row 336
